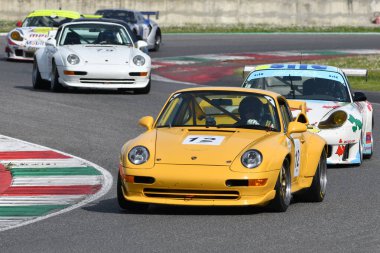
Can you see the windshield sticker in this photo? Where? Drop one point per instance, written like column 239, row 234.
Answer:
column 271, row 100
column 203, row 140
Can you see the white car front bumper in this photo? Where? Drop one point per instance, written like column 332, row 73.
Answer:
column 104, row 77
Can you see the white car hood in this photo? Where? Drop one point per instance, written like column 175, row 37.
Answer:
column 99, row 54
column 316, row 110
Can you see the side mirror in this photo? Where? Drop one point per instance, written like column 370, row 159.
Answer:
column 52, row 33
column 51, row 42
column 19, row 23
column 296, row 127
column 147, row 122
column 302, row 118
column 359, row 96
column 141, row 44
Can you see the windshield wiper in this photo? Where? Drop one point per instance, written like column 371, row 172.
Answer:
column 258, row 127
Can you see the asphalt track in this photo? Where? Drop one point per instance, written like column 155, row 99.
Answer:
column 94, row 125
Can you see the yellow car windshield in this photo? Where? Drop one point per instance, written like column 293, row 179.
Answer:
column 224, row 109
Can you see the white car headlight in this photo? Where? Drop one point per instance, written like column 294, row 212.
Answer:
column 251, row 159
column 73, row 59
column 138, row 155
column 138, row 60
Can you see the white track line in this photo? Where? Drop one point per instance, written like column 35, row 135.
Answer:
column 56, row 180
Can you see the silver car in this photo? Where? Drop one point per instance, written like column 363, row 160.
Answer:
column 144, row 28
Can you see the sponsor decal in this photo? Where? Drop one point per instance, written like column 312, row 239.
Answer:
column 357, row 124
column 297, row 157
column 368, row 138
column 349, row 141
column 203, row 140
column 330, row 106
column 341, row 148
column 369, row 106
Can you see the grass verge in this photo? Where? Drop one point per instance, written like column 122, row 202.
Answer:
column 262, row 28
column 370, row 62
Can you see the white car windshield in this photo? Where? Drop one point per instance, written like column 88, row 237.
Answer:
column 90, row 33
column 301, row 84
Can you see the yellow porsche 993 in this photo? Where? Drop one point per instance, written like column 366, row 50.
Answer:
column 223, row 147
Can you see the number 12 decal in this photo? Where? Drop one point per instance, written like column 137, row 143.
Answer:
column 203, row 140
column 297, row 157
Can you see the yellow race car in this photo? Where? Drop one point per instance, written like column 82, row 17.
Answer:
column 223, row 147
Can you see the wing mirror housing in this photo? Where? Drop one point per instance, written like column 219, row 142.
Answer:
column 141, row 44
column 147, row 122
column 19, row 23
column 296, row 127
column 51, row 42
column 359, row 96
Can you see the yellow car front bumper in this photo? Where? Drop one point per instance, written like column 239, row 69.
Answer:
column 197, row 185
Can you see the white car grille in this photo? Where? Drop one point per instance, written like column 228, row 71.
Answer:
column 107, row 81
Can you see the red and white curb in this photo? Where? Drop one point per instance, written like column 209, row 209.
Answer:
column 37, row 182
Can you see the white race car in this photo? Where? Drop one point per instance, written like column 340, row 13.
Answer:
column 343, row 118
column 32, row 33
column 92, row 54
column 144, row 28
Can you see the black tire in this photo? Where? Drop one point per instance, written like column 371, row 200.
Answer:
column 317, row 190
column 281, row 201
column 157, row 41
column 130, row 206
column 37, row 81
column 55, row 85
column 144, row 90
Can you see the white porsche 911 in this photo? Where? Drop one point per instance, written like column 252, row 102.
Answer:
column 342, row 117
column 92, row 54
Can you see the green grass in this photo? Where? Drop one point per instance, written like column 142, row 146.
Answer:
column 370, row 62
column 6, row 26
column 262, row 28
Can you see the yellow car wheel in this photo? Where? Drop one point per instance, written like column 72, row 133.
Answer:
column 283, row 196
column 130, row 206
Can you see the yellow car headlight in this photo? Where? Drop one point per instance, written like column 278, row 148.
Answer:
column 251, row 159
column 138, row 155
column 15, row 35
column 335, row 120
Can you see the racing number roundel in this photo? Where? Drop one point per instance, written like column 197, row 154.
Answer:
column 297, row 157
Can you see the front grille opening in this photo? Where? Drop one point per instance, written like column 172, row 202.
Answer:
column 329, row 151
column 346, row 152
column 19, row 52
column 107, row 81
column 190, row 194
column 29, row 54
column 143, row 180
column 236, row 182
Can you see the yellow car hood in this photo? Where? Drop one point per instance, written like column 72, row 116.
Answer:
column 195, row 146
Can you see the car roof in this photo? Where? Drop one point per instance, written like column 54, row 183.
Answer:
column 292, row 66
column 106, row 20
column 60, row 13
column 117, row 9
column 235, row 89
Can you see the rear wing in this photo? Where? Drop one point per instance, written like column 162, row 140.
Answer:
column 248, row 69
column 151, row 13
column 296, row 105
column 356, row 72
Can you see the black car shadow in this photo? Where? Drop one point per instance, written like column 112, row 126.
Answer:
column 111, row 206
